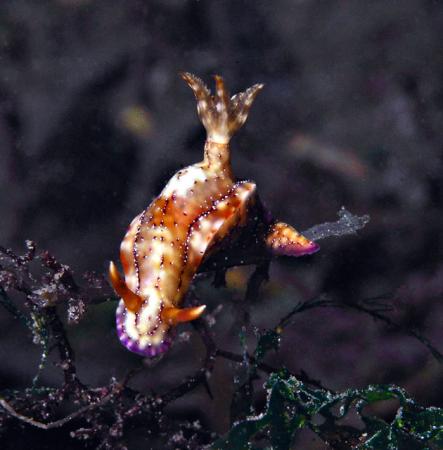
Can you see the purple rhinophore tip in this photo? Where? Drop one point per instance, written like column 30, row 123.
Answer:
column 132, row 345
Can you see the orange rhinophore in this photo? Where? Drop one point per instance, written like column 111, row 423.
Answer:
column 201, row 204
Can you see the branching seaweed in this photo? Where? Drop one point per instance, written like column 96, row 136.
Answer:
column 35, row 288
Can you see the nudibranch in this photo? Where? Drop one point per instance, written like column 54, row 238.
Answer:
column 200, row 206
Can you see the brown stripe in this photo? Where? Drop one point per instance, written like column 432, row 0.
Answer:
column 185, row 256
column 135, row 250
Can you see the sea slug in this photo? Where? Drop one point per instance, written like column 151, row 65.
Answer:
column 200, row 206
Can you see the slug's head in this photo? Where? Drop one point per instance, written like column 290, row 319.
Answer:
column 141, row 333
column 144, row 325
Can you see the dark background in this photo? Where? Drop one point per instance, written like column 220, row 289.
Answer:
column 94, row 119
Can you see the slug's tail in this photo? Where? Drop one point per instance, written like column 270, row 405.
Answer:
column 221, row 114
column 285, row 240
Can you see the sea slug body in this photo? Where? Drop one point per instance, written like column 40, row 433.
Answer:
column 200, row 206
